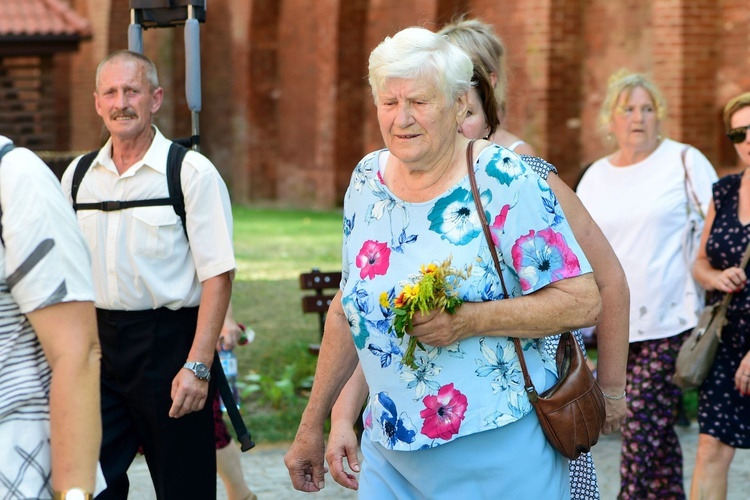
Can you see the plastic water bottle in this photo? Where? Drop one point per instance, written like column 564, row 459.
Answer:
column 229, row 364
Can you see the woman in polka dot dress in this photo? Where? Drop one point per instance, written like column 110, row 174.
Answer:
column 724, row 404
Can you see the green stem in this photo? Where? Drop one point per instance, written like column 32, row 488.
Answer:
column 408, row 358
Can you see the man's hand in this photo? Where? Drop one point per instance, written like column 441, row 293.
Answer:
column 189, row 394
column 305, row 461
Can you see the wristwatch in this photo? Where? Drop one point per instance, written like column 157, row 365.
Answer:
column 73, row 494
column 199, row 369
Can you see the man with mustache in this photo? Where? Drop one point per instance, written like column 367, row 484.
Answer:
column 162, row 289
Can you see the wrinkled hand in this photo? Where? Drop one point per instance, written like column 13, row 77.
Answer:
column 732, row 279
column 189, row 394
column 304, row 460
column 439, row 329
column 615, row 411
column 342, row 445
column 742, row 376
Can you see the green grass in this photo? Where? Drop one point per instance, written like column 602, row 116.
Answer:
column 273, row 247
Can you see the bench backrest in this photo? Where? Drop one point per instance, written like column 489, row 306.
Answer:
column 325, row 285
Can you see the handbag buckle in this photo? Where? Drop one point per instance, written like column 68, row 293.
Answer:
column 532, row 394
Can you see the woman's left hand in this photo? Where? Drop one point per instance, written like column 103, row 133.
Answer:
column 615, row 410
column 742, row 376
column 440, row 329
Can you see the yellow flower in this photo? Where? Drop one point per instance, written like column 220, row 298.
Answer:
column 431, row 268
column 435, row 289
column 384, row 300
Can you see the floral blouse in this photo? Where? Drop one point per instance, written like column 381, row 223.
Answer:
column 475, row 384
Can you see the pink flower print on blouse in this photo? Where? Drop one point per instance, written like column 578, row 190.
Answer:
column 543, row 257
column 497, row 226
column 373, row 259
column 443, row 413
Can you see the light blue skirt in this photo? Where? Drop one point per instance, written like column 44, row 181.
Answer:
column 513, row 462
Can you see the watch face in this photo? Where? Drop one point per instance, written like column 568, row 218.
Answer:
column 199, row 369
column 202, row 371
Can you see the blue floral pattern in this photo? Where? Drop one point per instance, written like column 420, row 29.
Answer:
column 478, row 380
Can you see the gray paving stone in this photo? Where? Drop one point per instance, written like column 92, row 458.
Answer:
column 267, row 477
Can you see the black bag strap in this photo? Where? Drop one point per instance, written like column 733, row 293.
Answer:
column 3, row 151
column 81, row 168
column 175, row 158
column 176, row 198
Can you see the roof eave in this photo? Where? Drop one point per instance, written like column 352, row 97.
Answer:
column 26, row 45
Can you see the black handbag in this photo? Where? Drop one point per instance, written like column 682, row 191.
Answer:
column 571, row 412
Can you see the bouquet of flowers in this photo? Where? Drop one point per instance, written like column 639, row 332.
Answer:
column 433, row 288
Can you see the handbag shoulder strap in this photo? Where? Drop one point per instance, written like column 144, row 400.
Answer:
column 743, row 264
column 690, row 194
column 529, row 386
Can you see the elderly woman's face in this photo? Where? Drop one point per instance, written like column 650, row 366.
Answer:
column 635, row 124
column 741, row 119
column 475, row 124
column 415, row 122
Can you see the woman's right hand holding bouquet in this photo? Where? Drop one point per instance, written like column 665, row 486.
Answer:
column 417, row 308
column 440, row 330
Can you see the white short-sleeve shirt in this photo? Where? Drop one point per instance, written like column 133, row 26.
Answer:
column 141, row 258
column 642, row 210
column 44, row 261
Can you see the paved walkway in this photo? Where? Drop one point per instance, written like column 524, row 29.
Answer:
column 267, row 476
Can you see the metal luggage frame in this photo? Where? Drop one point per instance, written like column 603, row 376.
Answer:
column 147, row 14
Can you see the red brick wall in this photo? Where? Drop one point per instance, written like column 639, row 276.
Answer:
column 510, row 19
column 287, row 111
column 733, row 67
column 261, row 154
column 617, row 35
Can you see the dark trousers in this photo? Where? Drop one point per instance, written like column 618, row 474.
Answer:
column 142, row 351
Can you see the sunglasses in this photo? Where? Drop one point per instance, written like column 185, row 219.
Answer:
column 737, row 135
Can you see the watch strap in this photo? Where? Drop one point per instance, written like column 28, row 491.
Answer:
column 195, row 367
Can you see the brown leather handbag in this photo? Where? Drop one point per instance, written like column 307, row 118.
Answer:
column 571, row 412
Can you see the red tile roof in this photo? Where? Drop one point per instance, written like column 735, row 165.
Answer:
column 41, row 18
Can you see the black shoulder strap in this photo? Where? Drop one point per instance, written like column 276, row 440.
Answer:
column 174, row 172
column 81, row 168
column 174, row 186
column 4, row 150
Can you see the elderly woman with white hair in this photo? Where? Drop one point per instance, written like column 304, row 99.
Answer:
column 456, row 421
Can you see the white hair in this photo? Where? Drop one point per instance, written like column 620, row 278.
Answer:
column 417, row 52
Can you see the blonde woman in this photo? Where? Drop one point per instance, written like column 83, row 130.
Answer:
column 638, row 198
column 484, row 46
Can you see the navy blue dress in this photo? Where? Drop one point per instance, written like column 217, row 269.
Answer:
column 722, row 412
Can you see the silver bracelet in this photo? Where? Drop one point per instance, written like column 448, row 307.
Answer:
column 614, row 398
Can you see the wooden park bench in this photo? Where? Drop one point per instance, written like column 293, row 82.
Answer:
column 324, row 285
